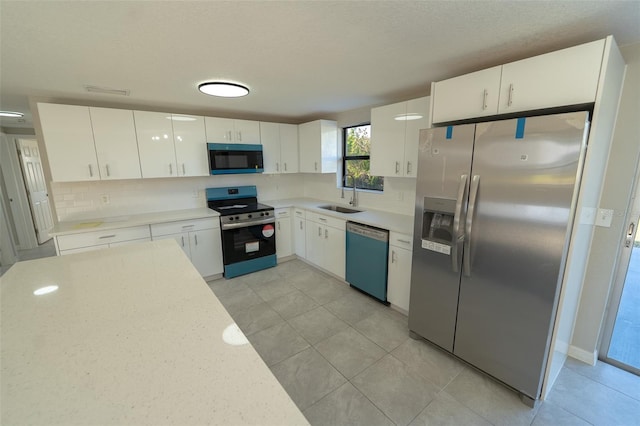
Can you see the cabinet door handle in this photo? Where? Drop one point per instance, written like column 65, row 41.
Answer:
column 403, row 241
column 285, row 167
column 183, row 241
column 229, row 135
column 108, row 173
column 484, row 99
column 326, row 233
column 315, row 165
column 278, row 226
column 195, row 238
column 187, row 226
column 510, row 99
column 171, row 169
column 408, row 167
column 322, row 219
column 301, row 225
column 240, row 135
column 397, row 167
column 183, row 170
column 319, row 231
column 393, row 256
column 277, row 167
column 90, row 171
column 107, row 236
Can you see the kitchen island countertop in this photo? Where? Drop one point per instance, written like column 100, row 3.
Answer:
column 132, row 335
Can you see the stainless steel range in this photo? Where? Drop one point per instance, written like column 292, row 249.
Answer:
column 248, row 229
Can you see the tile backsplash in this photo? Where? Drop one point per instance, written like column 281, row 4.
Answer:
column 99, row 199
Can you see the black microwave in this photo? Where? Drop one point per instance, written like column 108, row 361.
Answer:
column 232, row 158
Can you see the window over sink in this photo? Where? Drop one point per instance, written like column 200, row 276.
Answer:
column 356, row 159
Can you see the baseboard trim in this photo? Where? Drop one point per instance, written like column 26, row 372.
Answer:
column 582, row 355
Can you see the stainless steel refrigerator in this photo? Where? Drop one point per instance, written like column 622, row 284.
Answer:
column 495, row 203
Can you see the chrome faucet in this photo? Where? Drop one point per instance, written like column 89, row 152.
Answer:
column 354, row 197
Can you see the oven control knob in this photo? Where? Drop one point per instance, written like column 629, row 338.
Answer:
column 261, row 214
column 266, row 213
column 249, row 216
column 237, row 217
column 230, row 217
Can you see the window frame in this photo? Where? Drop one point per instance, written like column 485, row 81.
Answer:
column 346, row 158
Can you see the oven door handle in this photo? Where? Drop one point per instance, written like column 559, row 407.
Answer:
column 247, row 224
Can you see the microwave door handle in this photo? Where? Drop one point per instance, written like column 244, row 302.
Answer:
column 473, row 198
column 458, row 237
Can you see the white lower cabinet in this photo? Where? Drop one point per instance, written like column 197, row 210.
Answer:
column 325, row 243
column 96, row 240
column 284, row 245
column 399, row 275
column 200, row 239
column 299, row 233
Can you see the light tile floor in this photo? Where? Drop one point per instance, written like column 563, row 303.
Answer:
column 348, row 360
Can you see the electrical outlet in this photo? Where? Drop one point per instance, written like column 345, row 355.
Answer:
column 105, row 199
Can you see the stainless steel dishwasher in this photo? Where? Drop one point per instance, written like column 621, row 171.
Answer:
column 367, row 253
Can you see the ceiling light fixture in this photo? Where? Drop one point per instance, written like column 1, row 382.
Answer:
column 11, row 114
column 223, row 89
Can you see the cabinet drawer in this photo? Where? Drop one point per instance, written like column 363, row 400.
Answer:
column 327, row 220
column 283, row 213
column 401, row 240
column 86, row 239
column 299, row 213
column 184, row 226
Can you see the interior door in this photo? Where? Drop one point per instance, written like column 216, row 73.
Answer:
column 36, row 188
column 621, row 335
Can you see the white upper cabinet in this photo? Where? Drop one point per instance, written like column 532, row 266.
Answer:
column 116, row 145
column 280, row 147
column 467, row 96
column 561, row 78
column 395, row 132
column 289, row 148
column 565, row 77
column 226, row 130
column 318, row 143
column 190, row 145
column 68, row 137
column 155, row 143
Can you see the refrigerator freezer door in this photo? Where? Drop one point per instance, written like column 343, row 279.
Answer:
column 521, row 210
column 441, row 196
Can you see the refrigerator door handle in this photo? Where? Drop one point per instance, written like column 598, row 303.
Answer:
column 468, row 256
column 458, row 237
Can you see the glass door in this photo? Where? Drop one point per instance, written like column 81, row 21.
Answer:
column 621, row 339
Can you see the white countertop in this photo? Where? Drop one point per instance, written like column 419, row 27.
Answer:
column 391, row 221
column 133, row 335
column 100, row 224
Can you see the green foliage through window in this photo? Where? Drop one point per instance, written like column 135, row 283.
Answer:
column 357, row 144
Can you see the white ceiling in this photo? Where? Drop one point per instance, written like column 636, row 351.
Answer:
column 301, row 59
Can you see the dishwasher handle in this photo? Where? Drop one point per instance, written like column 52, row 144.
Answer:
column 368, row 231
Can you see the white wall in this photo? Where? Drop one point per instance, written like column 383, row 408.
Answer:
column 84, row 200
column 623, row 160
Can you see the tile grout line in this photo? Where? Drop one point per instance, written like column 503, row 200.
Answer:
column 603, row 384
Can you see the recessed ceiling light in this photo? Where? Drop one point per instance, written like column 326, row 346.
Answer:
column 223, row 89
column 11, row 114
column 407, row 117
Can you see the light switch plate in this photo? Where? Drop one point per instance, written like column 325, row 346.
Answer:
column 604, row 217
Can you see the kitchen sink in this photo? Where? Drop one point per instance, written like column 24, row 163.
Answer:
column 339, row 209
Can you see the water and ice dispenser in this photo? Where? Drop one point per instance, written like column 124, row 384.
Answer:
column 437, row 224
